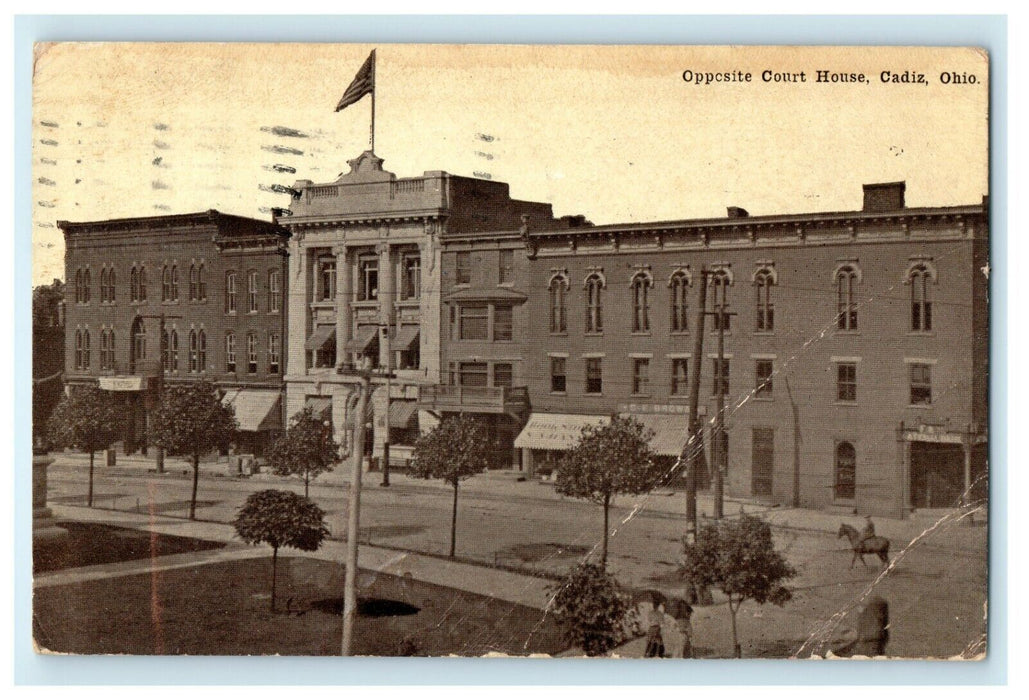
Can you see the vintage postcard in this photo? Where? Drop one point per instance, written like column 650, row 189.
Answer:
column 427, row 350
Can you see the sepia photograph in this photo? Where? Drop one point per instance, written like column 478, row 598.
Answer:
column 428, row 350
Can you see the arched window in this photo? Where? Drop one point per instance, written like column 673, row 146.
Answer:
column 720, row 282
column 134, row 284
column 201, row 284
column 252, row 353
column 763, row 283
column 193, row 354
column 165, row 351
column 103, row 297
column 78, row 349
column 86, row 284
column 846, row 299
column 202, row 351
column 558, row 304
column 166, row 283
column 85, row 349
column 107, row 349
column 193, row 283
column 230, row 352
column 110, row 286
column 252, row 291
column 921, row 303
column 594, row 303
column 274, row 291
column 142, row 283
column 138, row 345
column 230, row 292
column 78, row 286
column 845, row 472
column 173, row 350
column 678, row 286
column 175, row 283
column 641, row 283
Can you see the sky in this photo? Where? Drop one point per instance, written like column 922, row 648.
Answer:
column 613, row 133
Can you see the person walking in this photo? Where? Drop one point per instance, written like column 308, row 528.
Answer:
column 683, row 614
column 655, row 642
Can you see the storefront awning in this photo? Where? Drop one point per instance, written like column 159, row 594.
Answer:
column 321, row 406
column 352, row 415
column 364, row 340
column 123, row 383
column 321, row 336
column 669, row 432
column 555, row 431
column 255, row 409
column 407, row 337
column 403, row 414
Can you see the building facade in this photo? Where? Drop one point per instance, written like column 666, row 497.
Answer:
column 365, row 281
column 854, row 368
column 157, row 301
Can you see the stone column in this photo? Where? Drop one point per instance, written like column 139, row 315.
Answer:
column 298, row 306
column 344, row 294
column 387, row 303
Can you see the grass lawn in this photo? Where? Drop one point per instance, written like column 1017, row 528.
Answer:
column 97, row 543
column 224, row 609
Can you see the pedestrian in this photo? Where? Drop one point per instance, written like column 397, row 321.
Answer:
column 683, row 614
column 655, row 642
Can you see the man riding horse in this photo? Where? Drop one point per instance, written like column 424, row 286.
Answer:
column 868, row 532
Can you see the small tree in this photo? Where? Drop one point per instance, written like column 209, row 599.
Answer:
column 281, row 519
column 87, row 419
column 592, row 610
column 457, row 448
column 306, row 448
column 739, row 558
column 190, row 421
column 608, row 460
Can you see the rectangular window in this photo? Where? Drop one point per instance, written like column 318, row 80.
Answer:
column 230, row 352
column 558, row 379
column 846, row 381
column 763, row 376
column 680, row 376
column 252, row 291
column 921, row 384
column 503, row 374
column 274, row 351
column 473, row 374
column 473, row 322
column 230, row 292
column 327, row 279
column 503, row 321
column 412, row 286
column 640, row 375
column 463, row 271
column 506, row 267
column 252, row 353
column 368, row 282
column 721, row 376
column 594, row 376
column 274, row 291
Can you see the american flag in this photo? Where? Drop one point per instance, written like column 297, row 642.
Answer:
column 362, row 84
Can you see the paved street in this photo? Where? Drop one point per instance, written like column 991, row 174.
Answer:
column 936, row 589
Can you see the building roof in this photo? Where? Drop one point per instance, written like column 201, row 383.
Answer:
column 229, row 225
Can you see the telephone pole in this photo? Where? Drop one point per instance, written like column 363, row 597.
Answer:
column 162, row 353
column 718, row 445
column 354, row 517
column 690, row 451
column 389, row 371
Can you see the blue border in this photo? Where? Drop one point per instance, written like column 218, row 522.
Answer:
column 989, row 32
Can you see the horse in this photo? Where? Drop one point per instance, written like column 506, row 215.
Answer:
column 873, row 545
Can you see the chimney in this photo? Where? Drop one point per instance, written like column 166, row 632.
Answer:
column 737, row 212
column 884, row 196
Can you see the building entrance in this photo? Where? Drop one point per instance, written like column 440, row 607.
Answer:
column 937, row 475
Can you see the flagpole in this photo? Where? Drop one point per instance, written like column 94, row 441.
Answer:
column 373, row 101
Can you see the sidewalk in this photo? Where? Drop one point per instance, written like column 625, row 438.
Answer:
column 514, row 486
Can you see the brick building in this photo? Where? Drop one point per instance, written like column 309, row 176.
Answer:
column 855, row 358
column 215, row 284
column 365, row 284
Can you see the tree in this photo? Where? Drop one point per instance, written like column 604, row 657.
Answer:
column 739, row 558
column 87, row 419
column 305, row 448
column 281, row 519
column 457, row 448
column 592, row 610
column 608, row 460
column 190, row 421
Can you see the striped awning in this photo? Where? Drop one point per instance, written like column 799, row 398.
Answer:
column 555, row 431
column 255, row 409
column 407, row 337
column 321, row 337
column 321, row 406
column 669, row 432
column 403, row 414
column 363, row 341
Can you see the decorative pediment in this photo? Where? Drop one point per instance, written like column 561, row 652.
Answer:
column 367, row 167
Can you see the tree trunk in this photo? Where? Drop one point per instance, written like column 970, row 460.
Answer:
column 89, row 495
column 737, row 652
column 453, row 524
column 196, row 479
column 275, row 562
column 307, row 481
column 603, row 546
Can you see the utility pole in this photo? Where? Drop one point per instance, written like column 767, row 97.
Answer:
column 162, row 351
column 354, row 518
column 718, row 443
column 389, row 372
column 690, row 451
